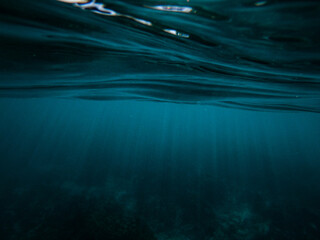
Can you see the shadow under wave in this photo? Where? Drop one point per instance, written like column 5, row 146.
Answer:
column 53, row 49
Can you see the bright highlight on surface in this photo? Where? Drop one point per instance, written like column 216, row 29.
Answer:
column 99, row 8
column 176, row 33
column 169, row 8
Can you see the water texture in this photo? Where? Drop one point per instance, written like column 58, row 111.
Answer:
column 159, row 120
column 257, row 55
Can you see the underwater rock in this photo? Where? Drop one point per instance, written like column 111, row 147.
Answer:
column 56, row 214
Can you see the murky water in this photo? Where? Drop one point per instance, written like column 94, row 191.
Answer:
column 160, row 120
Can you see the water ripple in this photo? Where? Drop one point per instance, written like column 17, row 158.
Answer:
column 260, row 55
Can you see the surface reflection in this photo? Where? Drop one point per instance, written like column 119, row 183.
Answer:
column 169, row 8
column 100, row 8
column 176, row 33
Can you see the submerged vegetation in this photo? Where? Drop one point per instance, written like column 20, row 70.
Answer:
column 52, row 213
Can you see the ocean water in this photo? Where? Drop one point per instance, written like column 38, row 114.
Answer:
column 160, row 120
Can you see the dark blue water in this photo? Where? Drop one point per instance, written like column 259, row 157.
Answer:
column 160, row 120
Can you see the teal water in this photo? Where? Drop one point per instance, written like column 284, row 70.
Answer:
column 181, row 120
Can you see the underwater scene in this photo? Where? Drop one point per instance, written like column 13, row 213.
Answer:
column 160, row 120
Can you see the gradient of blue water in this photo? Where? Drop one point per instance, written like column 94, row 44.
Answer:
column 210, row 135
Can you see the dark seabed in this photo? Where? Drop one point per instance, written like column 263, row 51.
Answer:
column 160, row 120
